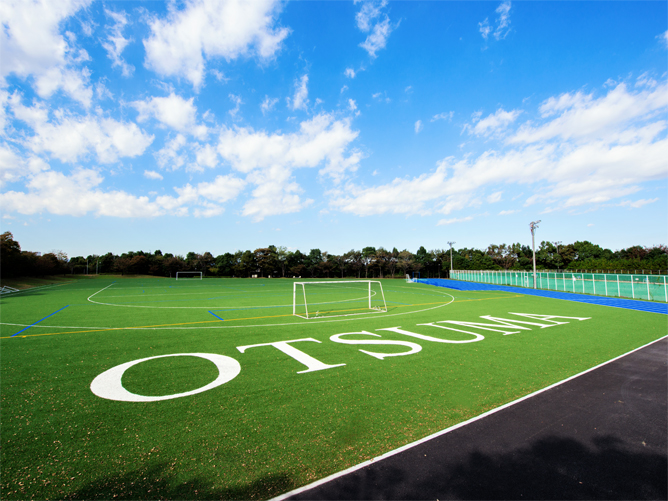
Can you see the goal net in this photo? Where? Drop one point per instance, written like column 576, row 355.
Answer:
column 190, row 275
column 337, row 299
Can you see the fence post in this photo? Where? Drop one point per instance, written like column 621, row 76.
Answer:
column 593, row 281
column 605, row 279
column 633, row 292
column 619, row 291
column 665, row 290
column 648, row 296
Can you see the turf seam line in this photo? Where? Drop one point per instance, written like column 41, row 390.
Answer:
column 403, row 448
column 26, row 328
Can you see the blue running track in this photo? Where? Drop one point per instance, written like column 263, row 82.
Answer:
column 629, row 304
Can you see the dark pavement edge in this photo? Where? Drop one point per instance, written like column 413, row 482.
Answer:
column 599, row 435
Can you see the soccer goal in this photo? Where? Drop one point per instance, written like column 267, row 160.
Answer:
column 337, row 298
column 189, row 275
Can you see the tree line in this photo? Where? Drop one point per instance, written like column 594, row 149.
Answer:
column 370, row 262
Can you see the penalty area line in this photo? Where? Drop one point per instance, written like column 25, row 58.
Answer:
column 394, row 452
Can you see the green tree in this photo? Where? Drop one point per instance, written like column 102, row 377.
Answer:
column 267, row 260
column 313, row 261
column 368, row 257
column 10, row 256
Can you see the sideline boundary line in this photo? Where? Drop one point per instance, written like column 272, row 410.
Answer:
column 394, row 452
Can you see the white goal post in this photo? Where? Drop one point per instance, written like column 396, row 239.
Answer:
column 190, row 275
column 337, row 298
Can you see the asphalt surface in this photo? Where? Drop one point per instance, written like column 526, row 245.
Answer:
column 602, row 435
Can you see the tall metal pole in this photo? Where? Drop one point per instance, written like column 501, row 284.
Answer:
column 533, row 225
column 451, row 244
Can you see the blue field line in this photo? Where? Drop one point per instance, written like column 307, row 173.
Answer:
column 26, row 328
column 629, row 304
column 222, row 319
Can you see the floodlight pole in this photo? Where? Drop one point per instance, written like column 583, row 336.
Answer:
column 451, row 244
column 533, row 225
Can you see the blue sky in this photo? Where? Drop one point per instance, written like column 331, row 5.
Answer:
column 223, row 125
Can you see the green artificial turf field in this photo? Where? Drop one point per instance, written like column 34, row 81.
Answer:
column 317, row 396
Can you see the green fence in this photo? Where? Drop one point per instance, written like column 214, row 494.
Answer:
column 633, row 286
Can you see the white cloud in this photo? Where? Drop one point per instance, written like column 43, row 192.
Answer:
column 606, row 149
column 320, row 139
column 222, row 189
column 219, row 75
column 173, row 111
column 493, row 123
column 585, row 117
column 508, row 212
column 484, row 28
column 275, row 193
column 370, row 18
column 168, row 157
column 368, row 13
column 645, row 80
column 638, row 203
column 664, row 36
column 13, row 167
column 31, row 45
column 350, row 73
column 418, row 126
column 554, row 105
column 352, row 105
column 443, row 116
column 300, row 99
column 116, row 43
column 444, row 222
column 377, row 39
column 206, row 156
column 502, row 23
column 180, row 43
column 268, row 104
column 76, row 195
column 69, row 137
column 81, row 193
column 237, row 104
column 270, row 159
column 494, row 197
column 151, row 174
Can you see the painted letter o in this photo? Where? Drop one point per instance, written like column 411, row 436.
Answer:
column 108, row 384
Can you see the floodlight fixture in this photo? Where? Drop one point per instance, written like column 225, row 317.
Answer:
column 533, row 225
column 451, row 244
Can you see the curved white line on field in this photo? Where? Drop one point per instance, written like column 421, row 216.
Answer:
column 366, row 316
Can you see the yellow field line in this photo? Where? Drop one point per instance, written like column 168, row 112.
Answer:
column 106, row 329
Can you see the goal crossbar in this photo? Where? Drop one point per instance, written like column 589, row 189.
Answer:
column 337, row 298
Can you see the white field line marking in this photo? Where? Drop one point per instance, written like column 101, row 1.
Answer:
column 314, row 320
column 38, row 288
column 342, row 473
column 210, row 307
column 99, row 292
